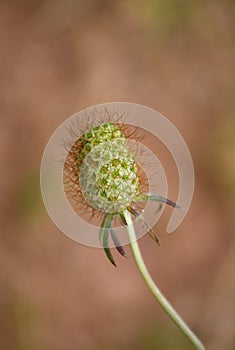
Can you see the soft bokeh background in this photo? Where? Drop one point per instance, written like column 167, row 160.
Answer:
column 58, row 57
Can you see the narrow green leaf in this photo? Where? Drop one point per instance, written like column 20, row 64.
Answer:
column 157, row 198
column 139, row 216
column 122, row 219
column 117, row 243
column 104, row 234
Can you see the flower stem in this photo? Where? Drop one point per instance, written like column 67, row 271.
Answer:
column 154, row 289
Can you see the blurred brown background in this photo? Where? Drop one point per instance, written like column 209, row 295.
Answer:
column 58, row 57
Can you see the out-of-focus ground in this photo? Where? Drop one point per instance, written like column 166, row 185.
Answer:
column 58, row 57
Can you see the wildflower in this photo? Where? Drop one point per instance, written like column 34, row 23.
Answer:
column 102, row 174
column 107, row 178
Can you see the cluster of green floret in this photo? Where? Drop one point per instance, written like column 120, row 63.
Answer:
column 97, row 135
column 108, row 174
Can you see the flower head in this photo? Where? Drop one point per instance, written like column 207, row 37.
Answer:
column 106, row 177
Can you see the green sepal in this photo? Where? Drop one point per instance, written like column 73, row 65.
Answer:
column 155, row 197
column 104, row 235
column 139, row 216
column 122, row 219
column 117, row 243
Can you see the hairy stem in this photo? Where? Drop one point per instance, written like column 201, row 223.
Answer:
column 154, row 289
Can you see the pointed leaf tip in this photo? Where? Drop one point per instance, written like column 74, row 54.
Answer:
column 104, row 233
column 109, row 256
column 117, row 243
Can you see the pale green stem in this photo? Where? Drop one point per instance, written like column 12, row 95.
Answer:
column 154, row 289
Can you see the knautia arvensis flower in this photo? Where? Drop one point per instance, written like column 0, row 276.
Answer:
column 101, row 170
column 106, row 178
